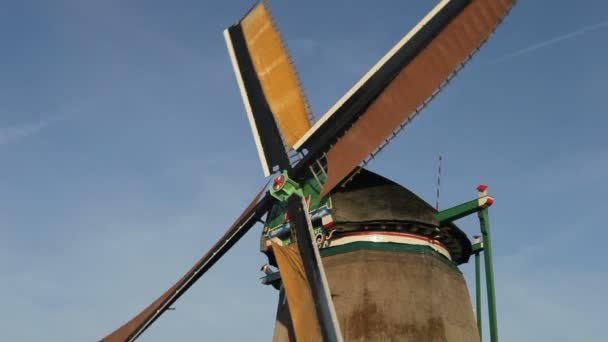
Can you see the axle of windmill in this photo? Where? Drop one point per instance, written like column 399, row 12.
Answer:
column 391, row 262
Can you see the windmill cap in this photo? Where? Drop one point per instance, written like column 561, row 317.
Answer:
column 482, row 187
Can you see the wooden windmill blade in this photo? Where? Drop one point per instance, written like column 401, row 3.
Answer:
column 132, row 329
column 400, row 84
column 275, row 103
column 316, row 280
column 273, row 99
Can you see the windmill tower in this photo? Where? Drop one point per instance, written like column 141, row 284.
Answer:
column 359, row 257
column 391, row 267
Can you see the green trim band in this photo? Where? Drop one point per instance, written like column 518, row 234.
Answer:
column 389, row 247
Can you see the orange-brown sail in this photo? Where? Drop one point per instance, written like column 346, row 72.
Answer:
column 276, row 75
column 138, row 324
column 299, row 296
column 414, row 85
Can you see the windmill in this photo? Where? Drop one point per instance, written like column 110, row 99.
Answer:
column 358, row 256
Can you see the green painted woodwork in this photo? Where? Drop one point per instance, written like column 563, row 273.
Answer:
column 458, row 212
column 485, row 245
column 478, row 294
column 484, row 222
column 309, row 189
column 288, row 188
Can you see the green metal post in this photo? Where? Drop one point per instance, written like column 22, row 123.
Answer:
column 480, row 205
column 477, row 249
column 484, row 222
column 478, row 294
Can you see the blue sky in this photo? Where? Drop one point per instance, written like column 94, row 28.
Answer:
column 125, row 152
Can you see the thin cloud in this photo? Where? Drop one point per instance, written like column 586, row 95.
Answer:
column 551, row 41
column 21, row 131
column 18, row 132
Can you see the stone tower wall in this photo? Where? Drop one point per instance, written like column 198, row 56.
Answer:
column 395, row 296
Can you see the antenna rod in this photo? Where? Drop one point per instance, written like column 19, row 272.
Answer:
column 438, row 184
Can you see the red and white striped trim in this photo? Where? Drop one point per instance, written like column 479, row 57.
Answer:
column 394, row 237
column 327, row 221
column 485, row 201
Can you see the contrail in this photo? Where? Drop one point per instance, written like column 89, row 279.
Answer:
column 16, row 132
column 551, row 42
column 21, row 131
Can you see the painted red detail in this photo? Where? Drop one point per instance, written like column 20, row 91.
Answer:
column 330, row 224
column 417, row 237
column 476, row 236
column 278, row 182
column 489, row 201
column 482, row 187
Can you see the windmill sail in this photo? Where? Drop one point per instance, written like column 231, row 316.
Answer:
column 297, row 211
column 132, row 329
column 401, row 84
column 269, row 86
column 299, row 297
